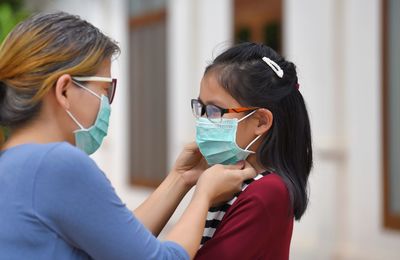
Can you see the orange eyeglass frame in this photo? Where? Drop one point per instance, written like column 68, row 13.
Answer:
column 223, row 110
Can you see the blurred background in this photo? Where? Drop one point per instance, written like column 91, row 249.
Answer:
column 347, row 54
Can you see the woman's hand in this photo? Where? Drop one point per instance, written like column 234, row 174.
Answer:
column 220, row 182
column 217, row 184
column 190, row 164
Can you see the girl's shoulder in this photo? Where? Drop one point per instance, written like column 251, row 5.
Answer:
column 270, row 190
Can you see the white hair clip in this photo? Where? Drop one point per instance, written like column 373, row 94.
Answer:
column 275, row 67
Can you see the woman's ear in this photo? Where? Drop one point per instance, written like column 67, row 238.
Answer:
column 265, row 119
column 63, row 85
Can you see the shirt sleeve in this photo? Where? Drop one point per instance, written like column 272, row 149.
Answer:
column 237, row 234
column 258, row 225
column 73, row 198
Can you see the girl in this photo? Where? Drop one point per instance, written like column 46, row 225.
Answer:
column 250, row 107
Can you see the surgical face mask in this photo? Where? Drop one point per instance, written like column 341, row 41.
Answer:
column 90, row 139
column 217, row 141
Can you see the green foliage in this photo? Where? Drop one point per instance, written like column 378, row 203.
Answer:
column 11, row 13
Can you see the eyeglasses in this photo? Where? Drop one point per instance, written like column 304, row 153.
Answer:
column 214, row 113
column 110, row 90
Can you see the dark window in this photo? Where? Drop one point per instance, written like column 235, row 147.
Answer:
column 391, row 112
column 259, row 21
column 147, row 98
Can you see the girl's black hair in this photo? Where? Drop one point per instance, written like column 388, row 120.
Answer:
column 286, row 147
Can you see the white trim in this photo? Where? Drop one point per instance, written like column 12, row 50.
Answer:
column 218, row 215
column 94, row 78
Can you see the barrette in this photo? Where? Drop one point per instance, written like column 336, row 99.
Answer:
column 275, row 67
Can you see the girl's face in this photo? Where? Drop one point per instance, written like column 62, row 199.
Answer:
column 212, row 93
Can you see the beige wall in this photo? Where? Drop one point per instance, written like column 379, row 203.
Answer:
column 336, row 45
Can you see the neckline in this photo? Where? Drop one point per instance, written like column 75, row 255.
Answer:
column 18, row 146
column 14, row 147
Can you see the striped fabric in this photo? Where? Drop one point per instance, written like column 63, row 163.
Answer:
column 215, row 214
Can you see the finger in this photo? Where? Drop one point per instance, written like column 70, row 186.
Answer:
column 248, row 172
column 192, row 146
column 204, row 164
column 247, row 165
column 239, row 165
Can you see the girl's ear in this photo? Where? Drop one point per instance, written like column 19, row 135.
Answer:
column 62, row 86
column 265, row 119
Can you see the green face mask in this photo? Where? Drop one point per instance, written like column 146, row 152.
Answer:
column 217, row 141
column 90, row 139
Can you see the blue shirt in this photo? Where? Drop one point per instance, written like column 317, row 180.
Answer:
column 55, row 203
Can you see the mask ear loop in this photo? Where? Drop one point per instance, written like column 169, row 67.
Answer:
column 74, row 119
column 243, row 118
column 70, row 114
column 251, row 143
column 255, row 139
column 87, row 89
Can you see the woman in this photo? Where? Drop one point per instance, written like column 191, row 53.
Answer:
column 250, row 107
column 55, row 203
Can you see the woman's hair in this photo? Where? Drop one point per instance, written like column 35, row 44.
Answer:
column 286, row 147
column 37, row 52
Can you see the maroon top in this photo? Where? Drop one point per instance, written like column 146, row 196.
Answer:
column 258, row 225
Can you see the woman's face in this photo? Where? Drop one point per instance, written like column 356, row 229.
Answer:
column 212, row 93
column 83, row 104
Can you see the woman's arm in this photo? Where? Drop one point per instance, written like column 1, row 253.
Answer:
column 215, row 185
column 157, row 209
column 74, row 199
column 189, row 229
